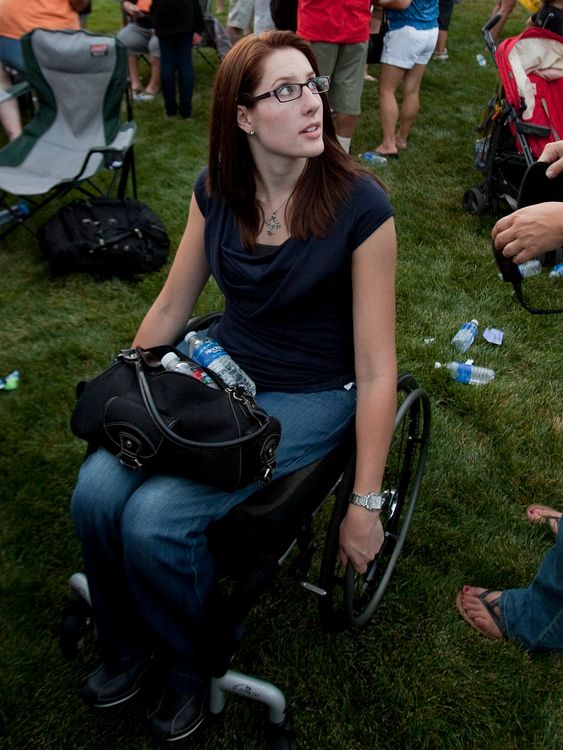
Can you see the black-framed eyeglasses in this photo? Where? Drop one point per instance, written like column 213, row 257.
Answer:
column 287, row 92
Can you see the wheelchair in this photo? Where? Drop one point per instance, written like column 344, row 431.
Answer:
column 278, row 527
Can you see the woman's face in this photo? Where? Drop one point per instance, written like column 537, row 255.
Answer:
column 290, row 129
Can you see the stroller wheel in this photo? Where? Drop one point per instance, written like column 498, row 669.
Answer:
column 474, row 201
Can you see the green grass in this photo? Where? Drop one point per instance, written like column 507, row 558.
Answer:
column 417, row 676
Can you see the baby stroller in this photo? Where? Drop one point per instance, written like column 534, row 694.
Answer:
column 525, row 114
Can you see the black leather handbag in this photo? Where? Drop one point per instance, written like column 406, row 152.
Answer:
column 169, row 422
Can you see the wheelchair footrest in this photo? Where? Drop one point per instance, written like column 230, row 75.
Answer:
column 249, row 687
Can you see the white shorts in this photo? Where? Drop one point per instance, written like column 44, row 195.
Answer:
column 407, row 46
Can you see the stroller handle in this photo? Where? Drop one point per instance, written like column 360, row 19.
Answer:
column 487, row 36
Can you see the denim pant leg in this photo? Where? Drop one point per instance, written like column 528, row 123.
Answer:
column 176, row 62
column 534, row 616
column 144, row 544
column 185, row 68
column 168, row 74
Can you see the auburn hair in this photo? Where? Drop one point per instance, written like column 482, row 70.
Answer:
column 324, row 184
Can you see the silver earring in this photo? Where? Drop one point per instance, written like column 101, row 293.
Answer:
column 251, row 132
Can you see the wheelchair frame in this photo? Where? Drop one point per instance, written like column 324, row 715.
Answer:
column 346, row 599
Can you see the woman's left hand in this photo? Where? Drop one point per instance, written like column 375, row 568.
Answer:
column 361, row 537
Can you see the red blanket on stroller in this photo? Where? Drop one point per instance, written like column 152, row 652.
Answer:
column 531, row 71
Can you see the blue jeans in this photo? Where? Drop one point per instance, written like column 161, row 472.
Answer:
column 534, row 616
column 176, row 58
column 143, row 539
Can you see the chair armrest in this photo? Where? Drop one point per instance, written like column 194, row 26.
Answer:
column 15, row 91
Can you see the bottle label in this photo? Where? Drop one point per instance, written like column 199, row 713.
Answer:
column 207, row 353
column 463, row 374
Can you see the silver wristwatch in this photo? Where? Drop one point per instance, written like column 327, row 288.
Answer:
column 371, row 501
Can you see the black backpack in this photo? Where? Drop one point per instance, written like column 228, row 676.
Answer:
column 105, row 236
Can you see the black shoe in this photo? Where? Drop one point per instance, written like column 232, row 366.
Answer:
column 177, row 715
column 105, row 688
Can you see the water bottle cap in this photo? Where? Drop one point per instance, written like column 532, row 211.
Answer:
column 437, row 365
column 475, row 321
column 168, row 358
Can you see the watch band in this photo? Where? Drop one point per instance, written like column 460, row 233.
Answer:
column 371, row 501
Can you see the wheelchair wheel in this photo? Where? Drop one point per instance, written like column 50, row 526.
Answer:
column 350, row 599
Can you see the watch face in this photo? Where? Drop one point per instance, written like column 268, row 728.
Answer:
column 371, row 501
column 375, row 501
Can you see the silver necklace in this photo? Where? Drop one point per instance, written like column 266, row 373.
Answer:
column 272, row 223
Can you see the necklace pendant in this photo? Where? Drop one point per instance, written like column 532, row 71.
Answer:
column 272, row 224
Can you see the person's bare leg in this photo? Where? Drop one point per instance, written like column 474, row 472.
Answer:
column 389, row 79
column 503, row 8
column 153, row 86
column 441, row 43
column 345, row 124
column 9, row 111
column 410, row 104
column 133, row 68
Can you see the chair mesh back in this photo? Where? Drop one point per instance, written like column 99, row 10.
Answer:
column 80, row 79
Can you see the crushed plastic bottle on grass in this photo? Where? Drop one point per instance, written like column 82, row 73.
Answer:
column 11, row 381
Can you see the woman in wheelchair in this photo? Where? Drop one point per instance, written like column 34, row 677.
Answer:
column 301, row 242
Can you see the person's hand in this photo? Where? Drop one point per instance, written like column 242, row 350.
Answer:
column 530, row 231
column 553, row 153
column 131, row 9
column 361, row 537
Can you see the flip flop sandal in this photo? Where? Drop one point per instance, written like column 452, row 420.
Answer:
column 545, row 518
column 489, row 606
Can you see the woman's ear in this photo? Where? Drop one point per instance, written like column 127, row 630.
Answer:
column 244, row 119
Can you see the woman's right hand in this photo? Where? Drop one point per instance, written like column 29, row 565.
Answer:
column 131, row 9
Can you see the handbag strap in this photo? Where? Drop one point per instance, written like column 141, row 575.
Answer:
column 252, row 409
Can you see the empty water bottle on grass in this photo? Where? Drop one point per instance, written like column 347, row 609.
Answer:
column 465, row 373
column 173, row 363
column 371, row 157
column 18, row 211
column 481, row 60
column 465, row 336
column 209, row 353
column 530, row 268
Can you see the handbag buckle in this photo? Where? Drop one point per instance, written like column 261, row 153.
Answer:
column 130, row 449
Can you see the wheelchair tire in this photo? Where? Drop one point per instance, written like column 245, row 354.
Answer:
column 351, row 599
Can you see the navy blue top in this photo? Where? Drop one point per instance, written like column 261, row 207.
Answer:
column 288, row 312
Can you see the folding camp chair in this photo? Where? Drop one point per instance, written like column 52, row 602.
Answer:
column 79, row 80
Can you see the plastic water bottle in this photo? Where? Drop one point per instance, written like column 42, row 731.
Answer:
column 471, row 374
column 557, row 270
column 18, row 211
column 209, row 353
column 172, row 362
column 529, row 268
column 465, row 336
column 371, row 157
column 481, row 60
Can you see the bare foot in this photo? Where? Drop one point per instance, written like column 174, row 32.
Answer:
column 544, row 514
column 386, row 150
column 480, row 608
column 402, row 144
